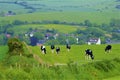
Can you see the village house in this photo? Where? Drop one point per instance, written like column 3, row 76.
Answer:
column 96, row 41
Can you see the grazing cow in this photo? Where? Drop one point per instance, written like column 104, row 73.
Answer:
column 52, row 48
column 108, row 48
column 68, row 47
column 43, row 49
column 57, row 50
column 89, row 54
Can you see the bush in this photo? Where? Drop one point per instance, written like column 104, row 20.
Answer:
column 15, row 46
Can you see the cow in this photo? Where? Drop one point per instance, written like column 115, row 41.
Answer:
column 52, row 48
column 57, row 50
column 43, row 49
column 89, row 54
column 68, row 47
column 108, row 48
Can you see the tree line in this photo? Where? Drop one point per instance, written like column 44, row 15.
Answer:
column 92, row 30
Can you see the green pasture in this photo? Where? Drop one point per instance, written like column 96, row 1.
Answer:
column 76, row 17
column 57, row 27
column 62, row 5
column 5, row 7
column 104, row 67
column 3, row 51
column 77, row 5
column 113, row 78
column 76, row 54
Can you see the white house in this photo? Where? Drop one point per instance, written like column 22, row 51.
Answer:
column 94, row 41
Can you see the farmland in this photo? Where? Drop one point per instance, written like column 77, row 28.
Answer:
column 68, row 63
column 76, row 17
column 83, row 19
column 30, row 23
column 76, row 53
column 31, row 6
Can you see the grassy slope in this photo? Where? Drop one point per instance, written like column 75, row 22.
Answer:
column 66, row 72
column 77, row 53
column 65, row 5
column 95, row 17
column 113, row 78
column 58, row 27
column 3, row 51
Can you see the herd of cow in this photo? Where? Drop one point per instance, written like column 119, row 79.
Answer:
column 88, row 52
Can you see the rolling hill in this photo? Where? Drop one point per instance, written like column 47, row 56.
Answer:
column 71, row 19
column 31, row 6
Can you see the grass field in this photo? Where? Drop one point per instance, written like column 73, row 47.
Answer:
column 77, row 17
column 57, row 27
column 113, row 78
column 3, row 51
column 76, row 54
column 60, row 5
column 105, row 66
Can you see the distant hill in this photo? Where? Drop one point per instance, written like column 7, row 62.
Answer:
column 30, row 6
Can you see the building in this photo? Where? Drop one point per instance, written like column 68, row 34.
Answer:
column 96, row 41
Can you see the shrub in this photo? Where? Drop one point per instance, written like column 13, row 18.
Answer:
column 15, row 46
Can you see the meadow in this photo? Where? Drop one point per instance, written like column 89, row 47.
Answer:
column 58, row 27
column 65, row 65
column 75, row 17
column 59, row 5
column 72, row 65
column 76, row 53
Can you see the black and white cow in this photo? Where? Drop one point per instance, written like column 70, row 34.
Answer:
column 52, row 48
column 57, row 50
column 108, row 48
column 89, row 54
column 68, row 47
column 43, row 49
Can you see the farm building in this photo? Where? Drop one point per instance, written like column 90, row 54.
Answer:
column 94, row 41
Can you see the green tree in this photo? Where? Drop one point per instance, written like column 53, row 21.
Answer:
column 39, row 35
column 10, row 31
column 87, row 23
column 15, row 46
column 116, row 36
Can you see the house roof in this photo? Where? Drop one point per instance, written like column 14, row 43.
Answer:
column 93, row 40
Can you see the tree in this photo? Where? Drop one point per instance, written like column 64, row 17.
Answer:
column 18, row 22
column 39, row 35
column 15, row 46
column 87, row 23
column 116, row 36
column 10, row 31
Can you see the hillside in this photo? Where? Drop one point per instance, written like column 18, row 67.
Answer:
column 76, row 53
column 84, row 25
column 65, row 64
column 75, row 17
column 25, row 25
column 31, row 6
